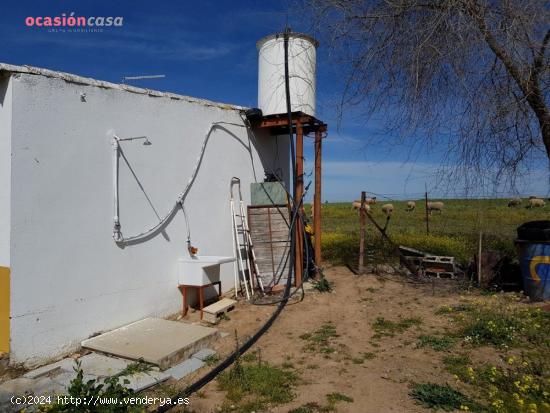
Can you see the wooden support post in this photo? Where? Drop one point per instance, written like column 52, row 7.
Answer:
column 317, row 198
column 479, row 252
column 362, row 232
column 299, row 263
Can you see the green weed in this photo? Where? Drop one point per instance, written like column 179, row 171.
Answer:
column 320, row 340
column 211, row 360
column 519, row 385
column 436, row 343
column 336, row 397
column 499, row 323
column 444, row 397
column 389, row 328
column 111, row 387
column 254, row 386
column 457, row 365
column 323, row 285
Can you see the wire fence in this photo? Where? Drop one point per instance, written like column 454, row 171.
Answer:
column 453, row 230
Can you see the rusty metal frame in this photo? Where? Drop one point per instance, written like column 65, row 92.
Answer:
column 302, row 123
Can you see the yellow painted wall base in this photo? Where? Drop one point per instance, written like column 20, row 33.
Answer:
column 4, row 310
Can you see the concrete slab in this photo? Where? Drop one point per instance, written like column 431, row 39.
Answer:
column 203, row 354
column 15, row 387
column 157, row 341
column 66, row 364
column 42, row 386
column 64, row 379
column 142, row 381
column 181, row 370
column 94, row 364
column 100, row 365
column 55, row 379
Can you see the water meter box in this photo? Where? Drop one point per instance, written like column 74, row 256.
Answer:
column 268, row 193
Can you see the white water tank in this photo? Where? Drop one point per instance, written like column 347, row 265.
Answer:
column 271, row 73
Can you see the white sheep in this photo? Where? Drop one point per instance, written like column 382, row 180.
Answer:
column 411, row 206
column 514, row 202
column 387, row 209
column 357, row 205
column 435, row 206
column 536, row 203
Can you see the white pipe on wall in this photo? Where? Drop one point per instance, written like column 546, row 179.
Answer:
column 117, row 233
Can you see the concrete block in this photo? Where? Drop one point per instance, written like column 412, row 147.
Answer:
column 100, row 365
column 160, row 342
column 203, row 354
column 183, row 369
column 142, row 381
column 66, row 364
column 213, row 311
column 15, row 387
column 64, row 379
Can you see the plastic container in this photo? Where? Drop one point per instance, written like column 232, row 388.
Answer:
column 534, row 231
column 534, row 256
column 271, row 73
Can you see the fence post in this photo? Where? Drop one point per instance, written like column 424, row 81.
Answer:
column 427, row 214
column 362, row 232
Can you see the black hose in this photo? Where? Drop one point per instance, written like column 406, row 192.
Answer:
column 204, row 380
column 295, row 210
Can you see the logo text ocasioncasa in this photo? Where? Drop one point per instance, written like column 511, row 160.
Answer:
column 70, row 20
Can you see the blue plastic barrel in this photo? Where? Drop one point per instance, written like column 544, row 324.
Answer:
column 535, row 268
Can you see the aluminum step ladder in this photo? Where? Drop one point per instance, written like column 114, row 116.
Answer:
column 245, row 262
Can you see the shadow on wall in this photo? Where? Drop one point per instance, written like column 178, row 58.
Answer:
column 4, row 80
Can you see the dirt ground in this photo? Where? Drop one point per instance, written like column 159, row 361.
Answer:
column 378, row 384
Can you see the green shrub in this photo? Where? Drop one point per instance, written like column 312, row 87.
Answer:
column 109, row 388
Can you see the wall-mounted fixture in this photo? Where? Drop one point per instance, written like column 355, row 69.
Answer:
column 146, row 140
column 117, row 235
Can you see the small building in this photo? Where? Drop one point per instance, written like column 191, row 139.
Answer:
column 63, row 278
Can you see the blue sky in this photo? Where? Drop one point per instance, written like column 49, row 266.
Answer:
column 207, row 49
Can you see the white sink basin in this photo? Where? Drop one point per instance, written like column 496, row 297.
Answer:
column 200, row 269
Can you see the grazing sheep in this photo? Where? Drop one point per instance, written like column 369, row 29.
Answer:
column 357, row 205
column 536, row 203
column 435, row 206
column 387, row 209
column 411, row 206
column 514, row 202
column 370, row 201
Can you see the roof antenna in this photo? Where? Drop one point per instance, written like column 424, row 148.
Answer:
column 125, row 78
column 287, row 27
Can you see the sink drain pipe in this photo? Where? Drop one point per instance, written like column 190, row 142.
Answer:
column 286, row 295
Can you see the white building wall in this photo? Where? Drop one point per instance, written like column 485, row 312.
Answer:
column 69, row 278
column 5, row 169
